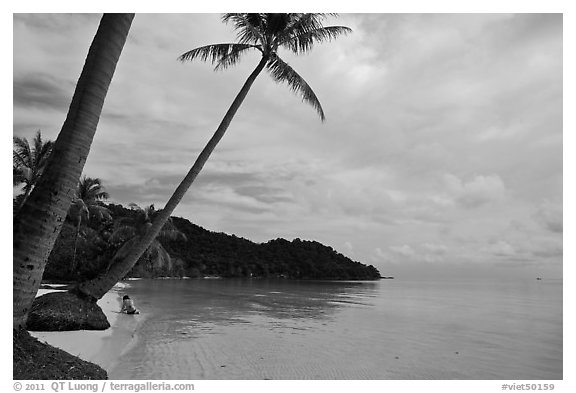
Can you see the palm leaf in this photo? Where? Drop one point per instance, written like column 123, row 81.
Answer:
column 249, row 27
column 159, row 256
column 171, row 234
column 222, row 55
column 21, row 154
column 303, row 41
column 282, row 72
column 28, row 162
column 123, row 232
column 301, row 23
column 102, row 212
column 233, row 57
column 18, row 176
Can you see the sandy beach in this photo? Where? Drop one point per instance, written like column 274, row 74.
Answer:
column 101, row 347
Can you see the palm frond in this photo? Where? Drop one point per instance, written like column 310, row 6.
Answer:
column 302, row 42
column 134, row 206
column 282, row 72
column 276, row 23
column 233, row 57
column 123, row 232
column 20, row 159
column 301, row 23
column 91, row 189
column 18, row 176
column 38, row 148
column 28, row 162
column 102, row 212
column 249, row 27
column 171, row 234
column 159, row 256
column 222, row 55
column 22, row 153
column 21, row 144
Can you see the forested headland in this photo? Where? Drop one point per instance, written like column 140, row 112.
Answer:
column 196, row 253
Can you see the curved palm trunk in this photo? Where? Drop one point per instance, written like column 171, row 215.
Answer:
column 98, row 287
column 38, row 223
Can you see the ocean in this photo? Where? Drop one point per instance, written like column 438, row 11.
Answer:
column 219, row 329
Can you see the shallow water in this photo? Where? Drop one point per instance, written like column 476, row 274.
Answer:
column 389, row 329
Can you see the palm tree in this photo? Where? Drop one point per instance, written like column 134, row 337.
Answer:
column 39, row 221
column 28, row 163
column 131, row 229
column 265, row 33
column 87, row 203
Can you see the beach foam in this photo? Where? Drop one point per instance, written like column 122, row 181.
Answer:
column 102, row 347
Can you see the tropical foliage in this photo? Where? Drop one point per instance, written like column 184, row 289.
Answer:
column 130, row 229
column 28, row 163
column 196, row 252
column 87, row 203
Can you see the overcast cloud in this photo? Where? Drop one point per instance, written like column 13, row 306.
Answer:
column 441, row 153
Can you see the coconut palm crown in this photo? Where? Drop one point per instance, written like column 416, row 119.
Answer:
column 88, row 195
column 28, row 162
column 267, row 33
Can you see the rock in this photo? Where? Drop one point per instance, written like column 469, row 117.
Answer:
column 35, row 360
column 63, row 311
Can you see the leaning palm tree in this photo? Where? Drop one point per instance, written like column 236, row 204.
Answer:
column 39, row 221
column 131, row 229
column 87, row 203
column 28, row 163
column 264, row 33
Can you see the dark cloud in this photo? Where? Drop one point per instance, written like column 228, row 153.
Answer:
column 265, row 194
column 550, row 217
column 60, row 23
column 42, row 91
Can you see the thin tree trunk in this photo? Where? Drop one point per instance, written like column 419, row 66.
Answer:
column 98, row 287
column 73, row 267
column 25, row 197
column 39, row 221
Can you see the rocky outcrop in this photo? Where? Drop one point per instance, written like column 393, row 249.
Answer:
column 63, row 311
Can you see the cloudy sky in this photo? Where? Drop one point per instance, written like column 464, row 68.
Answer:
column 441, row 153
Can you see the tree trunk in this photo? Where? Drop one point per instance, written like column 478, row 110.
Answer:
column 39, row 222
column 98, row 287
column 73, row 267
column 25, row 197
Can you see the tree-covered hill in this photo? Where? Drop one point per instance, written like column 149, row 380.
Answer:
column 201, row 253
column 219, row 254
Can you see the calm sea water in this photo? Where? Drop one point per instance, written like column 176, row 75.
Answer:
column 390, row 329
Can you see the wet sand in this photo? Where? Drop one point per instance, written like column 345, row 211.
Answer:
column 101, row 347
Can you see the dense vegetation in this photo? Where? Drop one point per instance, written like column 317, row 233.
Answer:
column 200, row 253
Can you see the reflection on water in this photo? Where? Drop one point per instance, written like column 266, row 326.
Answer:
column 280, row 329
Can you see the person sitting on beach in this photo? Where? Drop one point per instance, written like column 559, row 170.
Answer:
column 128, row 306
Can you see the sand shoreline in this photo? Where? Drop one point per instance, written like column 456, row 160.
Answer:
column 104, row 347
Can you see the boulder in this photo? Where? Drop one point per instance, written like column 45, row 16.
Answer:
column 63, row 311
